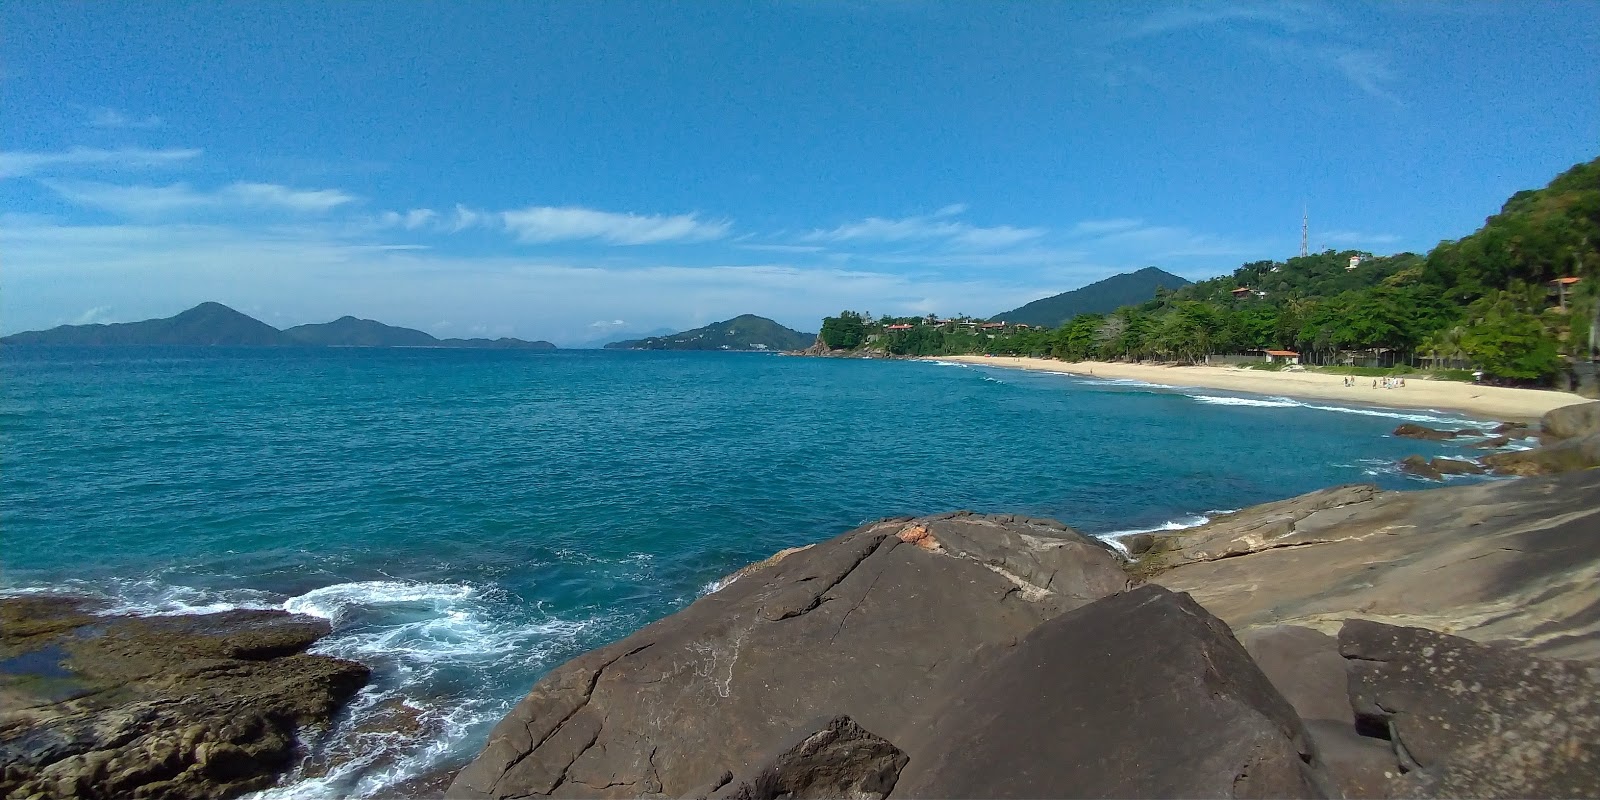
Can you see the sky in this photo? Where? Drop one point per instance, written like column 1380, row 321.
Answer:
column 581, row 172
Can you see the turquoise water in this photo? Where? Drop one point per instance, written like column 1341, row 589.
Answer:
column 470, row 519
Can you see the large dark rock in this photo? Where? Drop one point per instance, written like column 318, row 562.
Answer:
column 1455, row 466
column 1411, row 430
column 1142, row 694
column 1419, row 466
column 1493, row 443
column 1284, row 523
column 1566, row 455
column 203, row 706
column 871, row 625
column 1572, row 422
column 1472, row 720
column 839, row 759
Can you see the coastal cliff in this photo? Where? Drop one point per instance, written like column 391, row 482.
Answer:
column 1271, row 652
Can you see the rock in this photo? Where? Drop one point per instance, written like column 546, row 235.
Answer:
column 1411, row 430
column 839, row 759
column 1256, row 528
column 1470, row 432
column 1469, row 720
column 1493, row 444
column 1304, row 665
column 1455, row 466
column 200, row 706
column 1509, row 427
column 1572, row 422
column 1491, row 561
column 1419, row 466
column 1138, row 543
column 1563, row 456
column 1081, row 708
column 868, row 625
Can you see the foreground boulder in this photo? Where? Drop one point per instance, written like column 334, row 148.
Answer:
column 840, row 759
column 201, row 706
column 874, row 625
column 1572, row 422
column 1469, row 720
column 1143, row 694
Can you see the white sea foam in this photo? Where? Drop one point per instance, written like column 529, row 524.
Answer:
column 333, row 602
column 1114, row 538
column 152, row 598
column 1435, row 418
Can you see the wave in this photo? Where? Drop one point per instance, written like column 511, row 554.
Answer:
column 1435, row 418
column 1113, row 538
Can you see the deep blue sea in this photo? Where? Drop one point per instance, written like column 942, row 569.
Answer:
column 468, row 519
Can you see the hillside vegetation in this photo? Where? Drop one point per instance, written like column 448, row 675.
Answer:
column 1484, row 301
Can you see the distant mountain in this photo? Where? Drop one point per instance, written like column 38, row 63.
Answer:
column 205, row 324
column 216, row 324
column 744, row 332
column 1103, row 297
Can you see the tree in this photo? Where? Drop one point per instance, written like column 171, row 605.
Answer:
column 1507, row 342
column 843, row 332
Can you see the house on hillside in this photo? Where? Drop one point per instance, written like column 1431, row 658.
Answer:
column 1241, row 293
column 904, row 326
column 1559, row 288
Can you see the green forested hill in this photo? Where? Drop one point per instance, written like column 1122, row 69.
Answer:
column 1099, row 297
column 1485, row 300
column 744, row 332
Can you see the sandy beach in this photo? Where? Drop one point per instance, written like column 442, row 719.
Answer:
column 1490, row 402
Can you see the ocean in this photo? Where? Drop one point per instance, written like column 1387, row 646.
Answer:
column 469, row 519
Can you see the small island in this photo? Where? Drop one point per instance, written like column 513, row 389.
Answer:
column 746, row 332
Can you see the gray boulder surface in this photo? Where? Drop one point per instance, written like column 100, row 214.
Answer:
column 1472, row 720
column 1572, row 422
column 872, row 624
column 1141, row 694
column 199, row 706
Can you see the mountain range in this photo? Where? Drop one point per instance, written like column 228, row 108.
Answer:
column 214, row 324
column 1101, row 297
column 744, row 332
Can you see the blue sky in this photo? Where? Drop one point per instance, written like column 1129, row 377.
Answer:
column 576, row 171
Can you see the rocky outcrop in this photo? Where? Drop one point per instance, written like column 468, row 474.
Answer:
column 1564, row 455
column 1572, row 422
column 204, row 706
column 1286, row 523
column 1437, row 468
column 1512, row 561
column 1081, row 708
column 1469, row 720
column 1411, row 430
column 870, row 625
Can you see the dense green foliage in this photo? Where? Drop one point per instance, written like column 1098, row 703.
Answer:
column 1101, row 297
column 744, row 332
column 1485, row 300
column 217, row 324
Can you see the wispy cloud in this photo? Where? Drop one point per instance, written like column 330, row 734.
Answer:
column 1357, row 237
column 17, row 163
column 112, row 118
column 1292, row 17
column 181, row 198
column 93, row 315
column 936, row 226
column 1367, row 70
column 547, row 224
column 539, row 224
column 1138, row 239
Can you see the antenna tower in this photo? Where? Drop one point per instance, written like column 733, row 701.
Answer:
column 1305, row 231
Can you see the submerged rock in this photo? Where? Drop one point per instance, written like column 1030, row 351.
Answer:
column 1419, row 466
column 876, row 624
column 1411, row 430
column 199, row 706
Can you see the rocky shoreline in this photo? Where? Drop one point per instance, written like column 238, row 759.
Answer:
column 198, row 706
column 1350, row 642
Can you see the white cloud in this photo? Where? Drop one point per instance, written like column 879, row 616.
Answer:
column 937, row 226
column 1294, row 17
column 540, row 224
column 17, row 163
column 177, row 198
column 411, row 220
column 1367, row 70
column 93, row 315
column 112, row 118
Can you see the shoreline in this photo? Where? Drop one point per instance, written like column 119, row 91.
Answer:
column 1491, row 402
